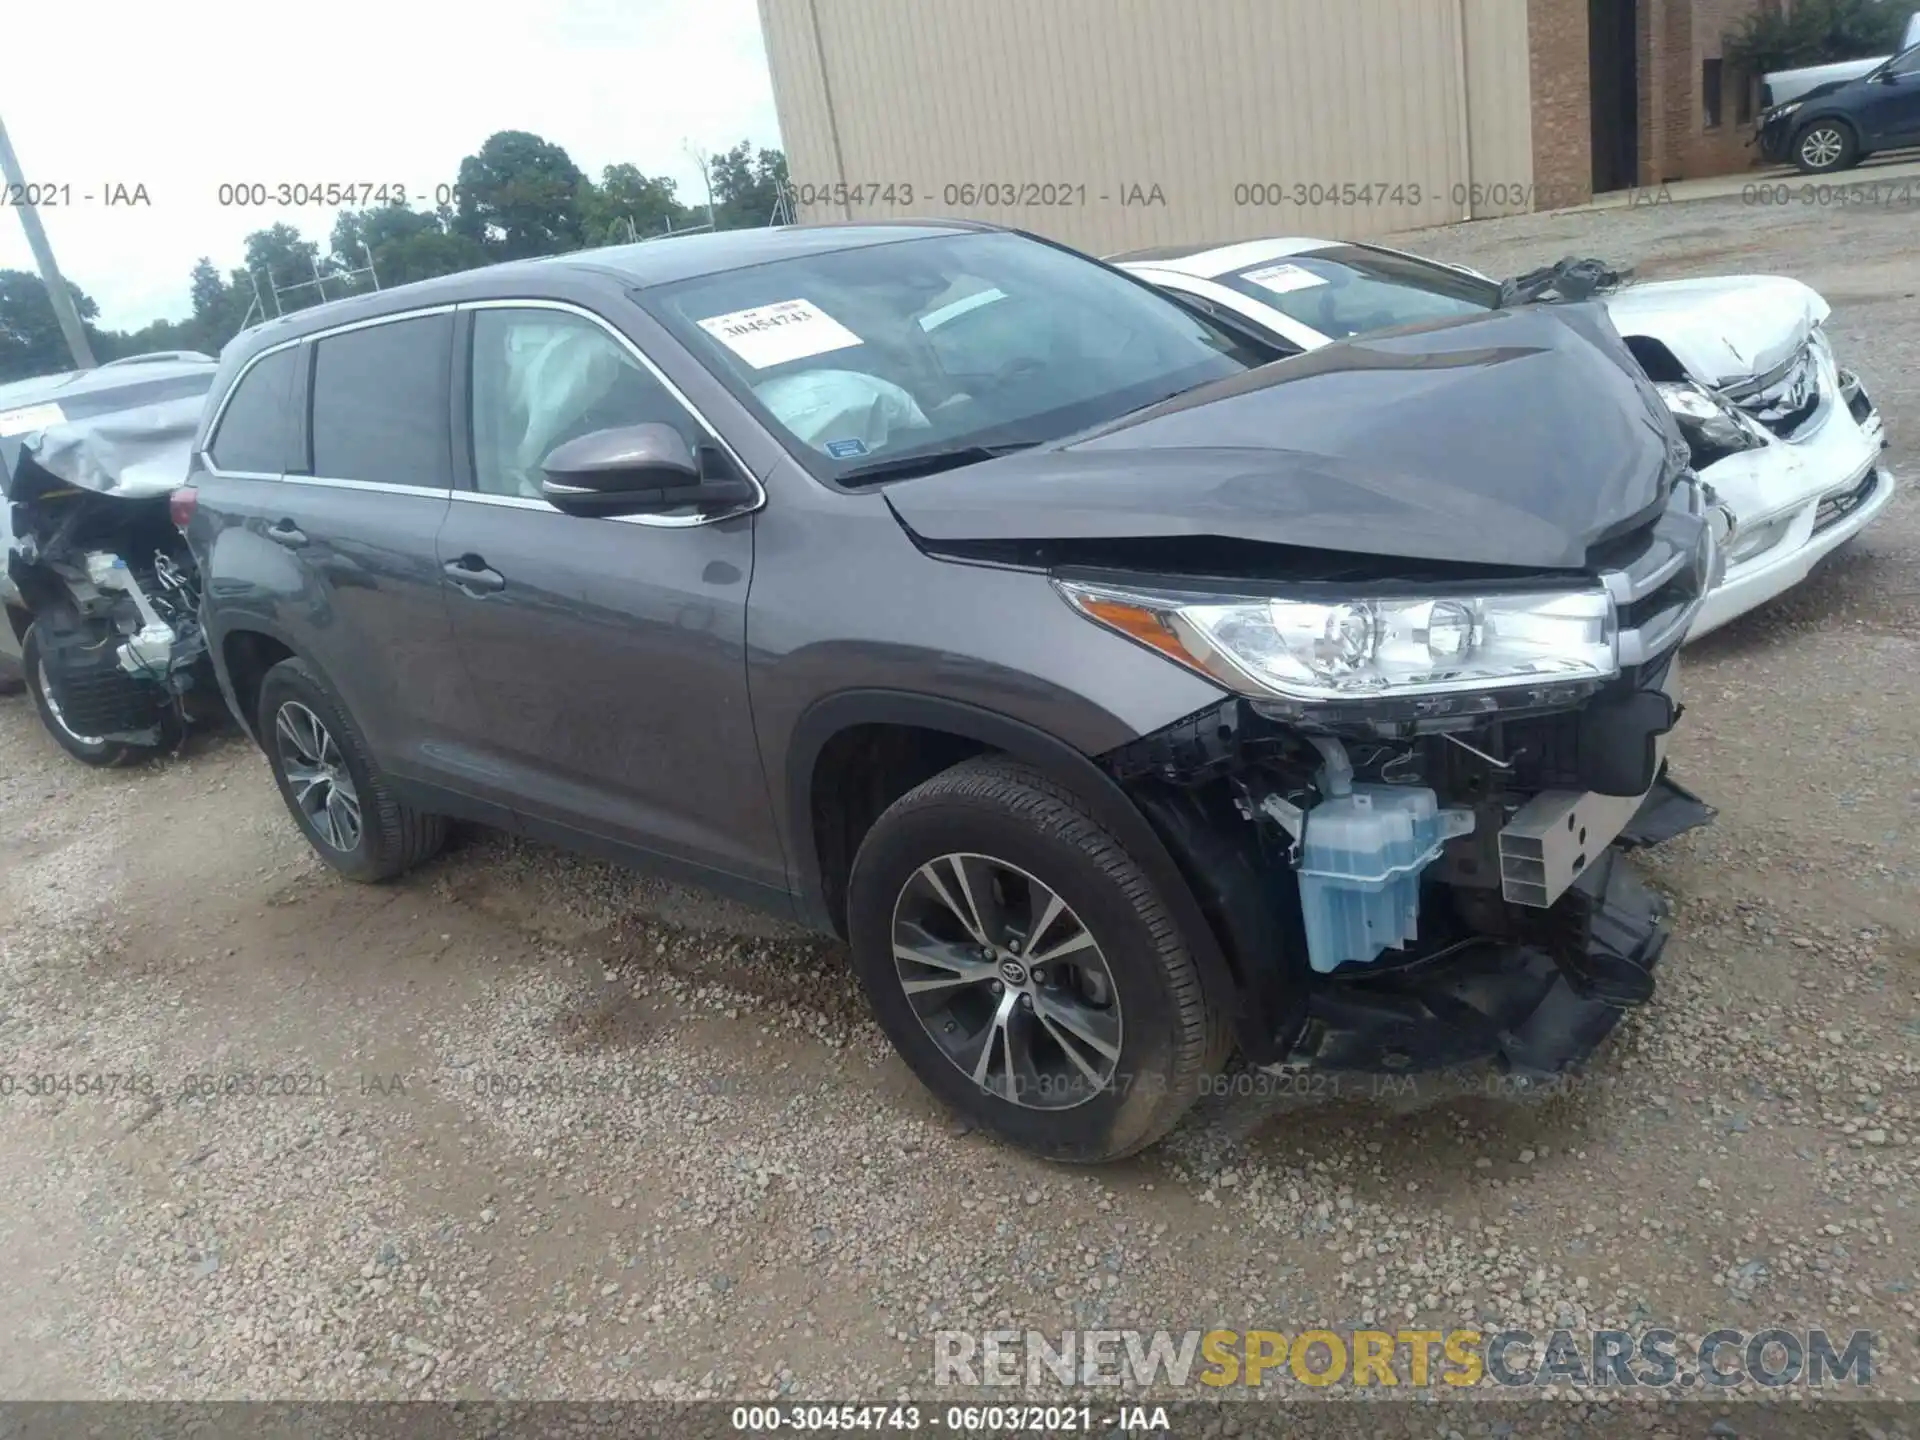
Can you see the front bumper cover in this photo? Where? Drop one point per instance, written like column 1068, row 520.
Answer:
column 1770, row 138
column 1810, row 494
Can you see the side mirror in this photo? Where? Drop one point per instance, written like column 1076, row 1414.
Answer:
column 632, row 470
column 1888, row 77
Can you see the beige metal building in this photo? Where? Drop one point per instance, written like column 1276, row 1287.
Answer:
column 1117, row 124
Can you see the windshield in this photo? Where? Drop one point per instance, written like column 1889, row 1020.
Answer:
column 1348, row 290
column 1907, row 62
column 975, row 341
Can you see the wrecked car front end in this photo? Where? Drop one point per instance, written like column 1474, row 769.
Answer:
column 1450, row 864
column 1441, row 578
column 102, row 591
column 1788, row 438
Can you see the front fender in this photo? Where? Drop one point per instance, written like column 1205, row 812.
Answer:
column 1054, row 758
column 218, row 632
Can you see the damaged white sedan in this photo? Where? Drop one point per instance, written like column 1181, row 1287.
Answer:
column 1787, row 437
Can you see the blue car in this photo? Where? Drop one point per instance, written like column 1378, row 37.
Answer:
column 1838, row 124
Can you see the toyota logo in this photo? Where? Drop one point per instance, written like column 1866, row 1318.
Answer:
column 1013, row 972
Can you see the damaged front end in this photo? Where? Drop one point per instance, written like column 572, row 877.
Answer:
column 1439, row 578
column 1436, row 878
column 97, row 567
column 1788, row 439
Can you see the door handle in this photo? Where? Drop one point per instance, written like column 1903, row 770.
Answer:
column 288, row 534
column 470, row 574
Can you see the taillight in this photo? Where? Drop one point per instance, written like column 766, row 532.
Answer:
column 181, row 505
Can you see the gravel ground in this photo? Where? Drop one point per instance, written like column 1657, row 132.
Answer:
column 549, row 1129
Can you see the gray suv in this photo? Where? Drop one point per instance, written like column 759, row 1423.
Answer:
column 1125, row 693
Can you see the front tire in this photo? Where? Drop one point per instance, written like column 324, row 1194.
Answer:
column 1825, row 146
column 340, row 799
column 1025, row 968
column 87, row 749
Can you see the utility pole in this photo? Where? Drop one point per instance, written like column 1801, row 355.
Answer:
column 57, row 293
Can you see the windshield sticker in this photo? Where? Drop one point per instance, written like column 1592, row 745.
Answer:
column 774, row 334
column 1282, row 278
column 30, row 417
column 845, row 449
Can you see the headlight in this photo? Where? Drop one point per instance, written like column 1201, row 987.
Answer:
column 1709, row 422
column 1365, row 647
column 1779, row 112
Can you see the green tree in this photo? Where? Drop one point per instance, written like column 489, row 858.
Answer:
column 1815, row 32
column 404, row 245
column 519, row 196
column 218, row 305
column 747, row 185
column 423, row 254
column 627, row 205
column 31, row 343
column 373, row 228
column 156, row 335
column 282, row 254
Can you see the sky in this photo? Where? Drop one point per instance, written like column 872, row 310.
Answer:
column 181, row 98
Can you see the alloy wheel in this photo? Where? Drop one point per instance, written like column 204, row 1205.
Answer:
column 1822, row 147
column 1008, row 981
column 317, row 775
column 53, row 709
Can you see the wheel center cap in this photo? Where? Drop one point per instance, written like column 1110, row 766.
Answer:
column 1013, row 972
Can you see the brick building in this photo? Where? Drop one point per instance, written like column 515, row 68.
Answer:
column 1636, row 92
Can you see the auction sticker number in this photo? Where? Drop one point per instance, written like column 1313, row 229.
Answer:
column 826, row 1417
column 1284, row 278
column 774, row 334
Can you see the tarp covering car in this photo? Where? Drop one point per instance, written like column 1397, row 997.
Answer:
column 132, row 454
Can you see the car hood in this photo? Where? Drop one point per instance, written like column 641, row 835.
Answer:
column 1724, row 329
column 1514, row 438
column 1817, row 82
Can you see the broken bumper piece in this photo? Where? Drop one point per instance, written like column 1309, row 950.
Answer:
column 1669, row 810
column 1535, row 1007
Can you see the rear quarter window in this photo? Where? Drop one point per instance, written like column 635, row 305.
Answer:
column 256, row 430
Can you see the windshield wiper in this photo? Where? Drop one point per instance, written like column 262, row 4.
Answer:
column 927, row 462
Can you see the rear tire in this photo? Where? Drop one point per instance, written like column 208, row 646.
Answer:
column 1098, row 1049
column 336, row 793
column 1825, row 146
column 87, row 749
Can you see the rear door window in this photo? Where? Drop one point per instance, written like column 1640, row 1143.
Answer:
column 256, row 430
column 380, row 403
